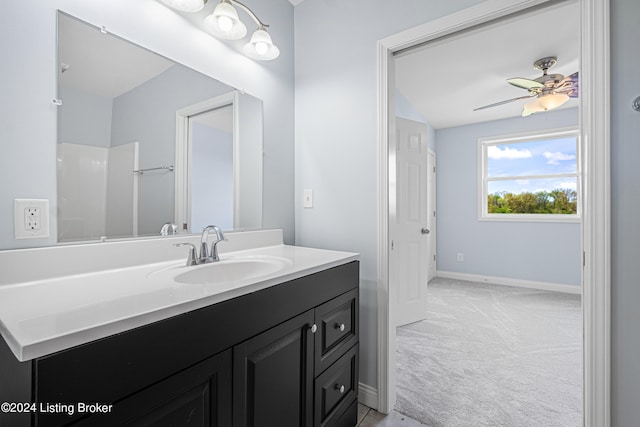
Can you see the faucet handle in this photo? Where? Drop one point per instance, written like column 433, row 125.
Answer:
column 192, row 259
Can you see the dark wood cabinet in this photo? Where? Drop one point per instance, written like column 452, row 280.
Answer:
column 273, row 376
column 267, row 358
column 198, row 396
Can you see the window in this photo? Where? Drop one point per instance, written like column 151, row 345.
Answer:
column 533, row 177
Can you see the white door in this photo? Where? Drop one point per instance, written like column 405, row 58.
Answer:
column 409, row 257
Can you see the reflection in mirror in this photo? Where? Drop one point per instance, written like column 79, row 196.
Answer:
column 124, row 160
column 211, row 183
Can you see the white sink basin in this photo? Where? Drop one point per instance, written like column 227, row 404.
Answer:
column 231, row 270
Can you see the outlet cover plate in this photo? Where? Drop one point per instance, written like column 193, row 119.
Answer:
column 26, row 210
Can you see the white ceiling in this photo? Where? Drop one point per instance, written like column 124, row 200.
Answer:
column 92, row 69
column 89, row 55
column 445, row 80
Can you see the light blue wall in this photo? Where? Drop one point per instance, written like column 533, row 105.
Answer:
column 625, row 205
column 29, row 119
column 84, row 119
column 405, row 110
column 542, row 252
column 336, row 122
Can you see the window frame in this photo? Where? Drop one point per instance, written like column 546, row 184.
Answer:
column 483, row 179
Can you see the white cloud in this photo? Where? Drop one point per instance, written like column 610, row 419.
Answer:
column 571, row 185
column 522, row 181
column 494, row 152
column 557, row 157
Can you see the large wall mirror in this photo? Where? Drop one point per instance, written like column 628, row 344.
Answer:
column 144, row 141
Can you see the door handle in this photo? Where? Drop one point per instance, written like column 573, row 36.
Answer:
column 425, row 231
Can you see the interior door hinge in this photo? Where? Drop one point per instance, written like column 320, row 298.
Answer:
column 392, row 245
column 584, row 259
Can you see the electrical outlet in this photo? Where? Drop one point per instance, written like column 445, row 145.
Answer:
column 460, row 257
column 31, row 218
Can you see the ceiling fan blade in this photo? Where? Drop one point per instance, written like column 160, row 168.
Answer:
column 569, row 85
column 573, row 78
column 572, row 91
column 524, row 83
column 503, row 102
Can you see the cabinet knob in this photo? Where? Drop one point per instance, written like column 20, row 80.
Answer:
column 340, row 388
column 340, row 326
column 314, row 328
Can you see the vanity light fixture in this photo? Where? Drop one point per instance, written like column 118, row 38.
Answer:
column 225, row 23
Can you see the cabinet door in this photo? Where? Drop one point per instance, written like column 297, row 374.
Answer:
column 273, row 376
column 198, row 396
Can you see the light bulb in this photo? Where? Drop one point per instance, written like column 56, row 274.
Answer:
column 225, row 23
column 262, row 48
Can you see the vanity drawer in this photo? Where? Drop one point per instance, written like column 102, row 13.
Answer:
column 336, row 389
column 337, row 322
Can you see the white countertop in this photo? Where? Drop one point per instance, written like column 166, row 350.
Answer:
column 44, row 316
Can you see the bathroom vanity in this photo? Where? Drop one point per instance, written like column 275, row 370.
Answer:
column 278, row 349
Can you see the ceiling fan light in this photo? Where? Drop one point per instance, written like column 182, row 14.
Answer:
column 261, row 47
column 225, row 23
column 553, row 100
column 544, row 103
column 185, row 5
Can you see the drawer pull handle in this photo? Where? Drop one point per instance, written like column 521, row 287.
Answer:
column 314, row 328
column 340, row 326
column 340, row 388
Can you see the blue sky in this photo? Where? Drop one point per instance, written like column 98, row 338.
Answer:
column 551, row 156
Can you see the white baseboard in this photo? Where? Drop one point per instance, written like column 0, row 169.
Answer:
column 546, row 286
column 368, row 396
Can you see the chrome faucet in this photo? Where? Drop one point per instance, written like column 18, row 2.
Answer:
column 167, row 228
column 204, row 257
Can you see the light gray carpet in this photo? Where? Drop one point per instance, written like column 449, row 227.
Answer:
column 491, row 355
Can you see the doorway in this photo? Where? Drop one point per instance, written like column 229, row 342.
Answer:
column 595, row 229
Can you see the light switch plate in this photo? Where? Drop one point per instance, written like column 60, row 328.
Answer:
column 307, row 195
column 31, row 218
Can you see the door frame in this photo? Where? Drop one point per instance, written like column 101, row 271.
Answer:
column 182, row 207
column 595, row 229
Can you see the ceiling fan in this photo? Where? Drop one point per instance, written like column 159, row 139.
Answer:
column 549, row 90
